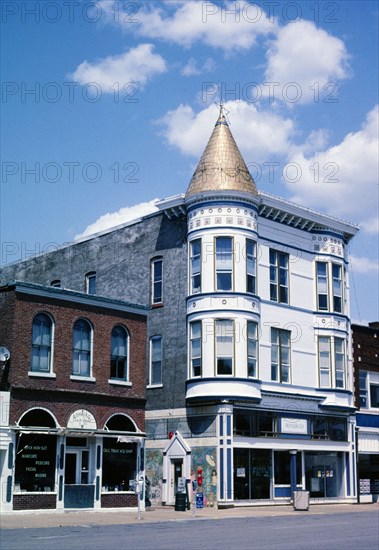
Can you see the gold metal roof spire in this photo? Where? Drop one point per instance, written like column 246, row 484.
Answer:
column 221, row 167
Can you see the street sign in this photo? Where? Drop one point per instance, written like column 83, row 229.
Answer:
column 199, row 500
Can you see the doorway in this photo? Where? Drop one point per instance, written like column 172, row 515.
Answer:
column 252, row 474
column 78, row 491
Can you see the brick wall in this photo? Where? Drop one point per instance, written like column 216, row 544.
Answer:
column 114, row 500
column 38, row 501
column 61, row 395
column 365, row 352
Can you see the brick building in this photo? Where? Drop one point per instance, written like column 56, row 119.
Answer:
column 249, row 368
column 366, row 373
column 73, row 398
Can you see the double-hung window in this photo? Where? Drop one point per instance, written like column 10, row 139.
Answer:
column 156, row 281
column 337, row 287
column 42, row 335
column 195, row 266
column 332, row 362
column 224, row 330
column 224, row 263
column 155, row 374
column 368, row 389
column 329, row 279
column 252, row 370
column 119, row 354
column 82, row 349
column 279, row 277
column 322, row 286
column 251, row 261
column 195, row 348
column 280, row 355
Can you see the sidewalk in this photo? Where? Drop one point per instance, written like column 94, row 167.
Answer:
column 39, row 519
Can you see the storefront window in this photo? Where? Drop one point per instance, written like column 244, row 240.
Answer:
column 282, row 469
column 119, row 464
column 323, row 474
column 35, row 462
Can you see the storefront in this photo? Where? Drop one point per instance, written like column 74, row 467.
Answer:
column 77, row 466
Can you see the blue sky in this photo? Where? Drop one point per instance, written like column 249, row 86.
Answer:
column 107, row 106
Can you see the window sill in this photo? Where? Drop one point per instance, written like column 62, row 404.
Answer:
column 42, row 374
column 82, row 378
column 152, row 386
column 156, row 306
column 119, row 382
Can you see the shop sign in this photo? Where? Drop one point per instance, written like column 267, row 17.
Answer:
column 82, row 419
column 294, row 426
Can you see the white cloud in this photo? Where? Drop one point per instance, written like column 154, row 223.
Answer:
column 344, row 178
column 364, row 265
column 234, row 26
column 191, row 68
column 136, row 65
column 259, row 134
column 308, row 57
column 123, row 215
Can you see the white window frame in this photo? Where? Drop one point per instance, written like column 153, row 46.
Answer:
column 252, row 346
column 90, row 282
column 39, row 372
column 77, row 375
column 277, row 343
column 156, row 281
column 334, row 286
column 219, row 337
column 220, row 259
column 195, row 273
column 330, row 361
column 126, row 357
column 192, row 356
column 155, row 338
column 371, row 379
column 251, row 266
column 276, row 269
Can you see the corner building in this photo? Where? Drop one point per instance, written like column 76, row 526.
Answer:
column 249, row 370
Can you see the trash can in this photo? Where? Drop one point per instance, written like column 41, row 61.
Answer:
column 180, row 502
column 301, row 500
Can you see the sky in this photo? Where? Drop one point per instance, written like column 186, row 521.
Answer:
column 107, row 107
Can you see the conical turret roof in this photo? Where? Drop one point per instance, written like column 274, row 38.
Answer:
column 221, row 167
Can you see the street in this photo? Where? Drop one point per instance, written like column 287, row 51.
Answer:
column 348, row 531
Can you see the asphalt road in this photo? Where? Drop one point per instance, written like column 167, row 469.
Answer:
column 336, row 531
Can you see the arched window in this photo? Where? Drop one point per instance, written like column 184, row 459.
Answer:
column 120, row 423
column 119, row 354
column 42, row 336
column 82, row 348
column 37, row 418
